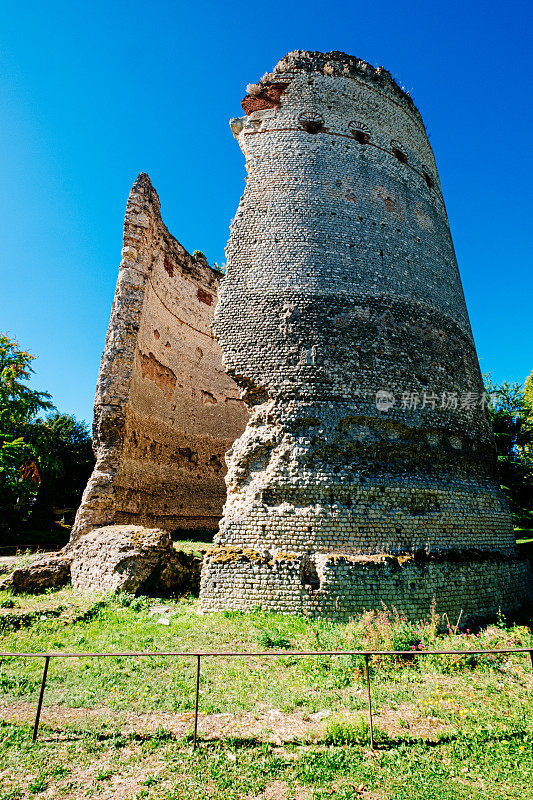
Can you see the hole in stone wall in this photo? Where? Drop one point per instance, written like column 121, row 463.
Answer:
column 361, row 136
column 309, row 575
column 400, row 155
column 304, row 423
column 312, row 127
column 311, row 121
column 359, row 131
column 429, row 180
column 205, row 297
column 169, row 267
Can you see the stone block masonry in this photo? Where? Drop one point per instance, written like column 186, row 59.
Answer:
column 166, row 412
column 470, row 586
column 343, row 291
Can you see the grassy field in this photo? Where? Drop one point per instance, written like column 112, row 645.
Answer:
column 283, row 727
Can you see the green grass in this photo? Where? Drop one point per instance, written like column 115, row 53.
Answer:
column 480, row 764
column 199, row 538
column 193, row 546
column 288, row 727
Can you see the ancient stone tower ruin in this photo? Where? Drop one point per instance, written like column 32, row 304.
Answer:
column 165, row 411
column 366, row 471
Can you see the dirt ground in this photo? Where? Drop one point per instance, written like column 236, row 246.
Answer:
column 263, row 724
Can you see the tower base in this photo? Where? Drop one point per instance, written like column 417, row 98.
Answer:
column 478, row 584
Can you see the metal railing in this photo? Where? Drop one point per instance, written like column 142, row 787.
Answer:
column 22, row 549
column 199, row 654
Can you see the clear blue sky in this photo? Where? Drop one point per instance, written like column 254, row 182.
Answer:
column 93, row 93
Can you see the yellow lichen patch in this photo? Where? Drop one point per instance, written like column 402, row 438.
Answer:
column 225, row 555
column 370, row 558
column 286, row 556
column 404, row 558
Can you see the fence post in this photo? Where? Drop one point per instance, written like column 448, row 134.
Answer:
column 41, row 695
column 370, row 722
column 197, row 701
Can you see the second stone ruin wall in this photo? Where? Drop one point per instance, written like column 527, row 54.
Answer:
column 165, row 410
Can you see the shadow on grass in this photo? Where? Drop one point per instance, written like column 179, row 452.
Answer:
column 16, row 733
column 119, row 740
column 486, row 737
column 51, row 736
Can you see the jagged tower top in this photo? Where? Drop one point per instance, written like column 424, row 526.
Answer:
column 334, row 63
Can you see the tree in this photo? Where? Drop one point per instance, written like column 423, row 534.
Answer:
column 528, row 397
column 19, row 472
column 512, row 423
column 44, row 462
column 66, row 460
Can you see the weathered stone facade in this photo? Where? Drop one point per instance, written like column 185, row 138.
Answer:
column 165, row 410
column 366, row 472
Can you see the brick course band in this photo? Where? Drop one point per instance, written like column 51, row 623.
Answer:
column 342, row 282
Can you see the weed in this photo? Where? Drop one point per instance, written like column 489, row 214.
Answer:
column 38, row 785
column 347, row 731
column 19, row 685
column 12, row 794
column 152, row 780
column 274, row 641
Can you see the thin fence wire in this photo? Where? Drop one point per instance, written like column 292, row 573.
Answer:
column 199, row 654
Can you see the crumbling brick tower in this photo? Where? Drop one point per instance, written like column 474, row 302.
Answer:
column 342, row 283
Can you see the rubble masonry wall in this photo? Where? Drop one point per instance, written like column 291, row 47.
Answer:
column 165, row 409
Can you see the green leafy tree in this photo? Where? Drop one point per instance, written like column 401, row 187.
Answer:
column 66, row 461
column 19, row 471
column 528, row 397
column 513, row 431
